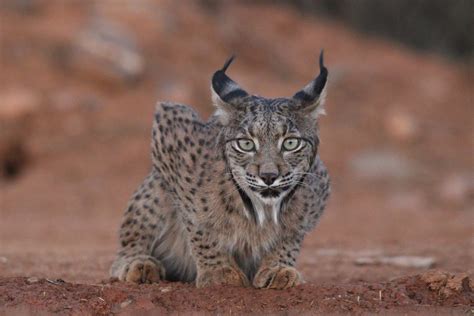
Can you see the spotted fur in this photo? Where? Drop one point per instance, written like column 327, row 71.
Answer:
column 212, row 213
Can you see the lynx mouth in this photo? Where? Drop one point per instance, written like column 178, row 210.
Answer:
column 272, row 192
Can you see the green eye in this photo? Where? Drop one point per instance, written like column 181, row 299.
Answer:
column 291, row 144
column 246, row 144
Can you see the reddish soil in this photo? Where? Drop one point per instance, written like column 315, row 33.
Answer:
column 404, row 294
column 87, row 148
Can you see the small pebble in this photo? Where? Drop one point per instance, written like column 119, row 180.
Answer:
column 125, row 303
column 401, row 126
column 165, row 289
column 32, row 280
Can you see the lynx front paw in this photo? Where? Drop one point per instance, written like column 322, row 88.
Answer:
column 222, row 276
column 277, row 277
column 143, row 270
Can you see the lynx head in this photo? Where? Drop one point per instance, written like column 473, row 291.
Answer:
column 269, row 144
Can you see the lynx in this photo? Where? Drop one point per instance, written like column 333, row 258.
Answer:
column 228, row 201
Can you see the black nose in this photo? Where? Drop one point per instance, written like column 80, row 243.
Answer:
column 268, row 177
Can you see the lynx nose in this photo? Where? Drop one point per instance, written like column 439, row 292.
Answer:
column 268, row 177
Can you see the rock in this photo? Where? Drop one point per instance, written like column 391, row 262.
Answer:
column 383, row 164
column 125, row 303
column 3, row 260
column 459, row 283
column 17, row 104
column 106, row 51
column 457, row 188
column 330, row 252
column 401, row 261
column 401, row 126
column 165, row 289
column 17, row 108
column 447, row 284
column 32, row 280
column 435, row 279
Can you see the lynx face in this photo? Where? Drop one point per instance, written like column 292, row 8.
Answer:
column 270, row 144
column 267, row 149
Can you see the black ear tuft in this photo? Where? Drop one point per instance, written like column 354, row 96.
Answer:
column 323, row 75
column 225, row 87
column 321, row 60
column 314, row 89
column 228, row 62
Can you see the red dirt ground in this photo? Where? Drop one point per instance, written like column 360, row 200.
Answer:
column 408, row 294
column 88, row 145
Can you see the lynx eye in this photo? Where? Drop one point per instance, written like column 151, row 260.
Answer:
column 246, row 144
column 291, row 144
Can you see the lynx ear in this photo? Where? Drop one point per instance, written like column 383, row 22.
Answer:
column 311, row 98
column 225, row 92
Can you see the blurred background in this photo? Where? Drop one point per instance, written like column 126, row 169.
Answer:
column 79, row 81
